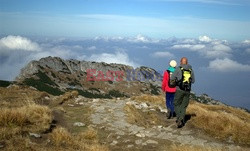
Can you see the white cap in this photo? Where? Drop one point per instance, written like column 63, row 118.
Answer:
column 173, row 63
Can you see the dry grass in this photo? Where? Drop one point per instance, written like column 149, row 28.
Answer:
column 18, row 96
column 31, row 118
column 87, row 140
column 158, row 100
column 67, row 96
column 222, row 122
column 145, row 119
column 61, row 137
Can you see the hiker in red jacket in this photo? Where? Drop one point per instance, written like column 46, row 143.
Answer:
column 168, row 89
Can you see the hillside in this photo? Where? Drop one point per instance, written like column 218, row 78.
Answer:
column 34, row 120
column 52, row 106
column 56, row 76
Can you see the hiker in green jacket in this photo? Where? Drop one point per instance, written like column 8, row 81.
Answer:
column 184, row 76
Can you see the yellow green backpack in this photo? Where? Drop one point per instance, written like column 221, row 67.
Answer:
column 185, row 82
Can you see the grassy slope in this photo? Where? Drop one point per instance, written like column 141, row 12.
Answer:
column 223, row 122
column 21, row 114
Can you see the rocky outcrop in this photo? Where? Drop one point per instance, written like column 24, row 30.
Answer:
column 91, row 79
column 205, row 99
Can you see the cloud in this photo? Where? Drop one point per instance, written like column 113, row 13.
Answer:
column 17, row 51
column 228, row 65
column 117, row 57
column 163, row 54
column 205, row 46
column 18, row 43
column 205, row 39
column 140, row 38
column 91, row 48
column 217, row 51
column 246, row 42
column 189, row 46
column 221, row 47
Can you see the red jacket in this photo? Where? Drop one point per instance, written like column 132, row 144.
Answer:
column 165, row 86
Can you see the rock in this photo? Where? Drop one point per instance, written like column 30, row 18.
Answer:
column 95, row 100
column 130, row 146
column 140, row 135
column 35, row 135
column 144, row 144
column 114, row 143
column 185, row 132
column 79, row 124
column 71, row 105
column 138, row 142
column 129, row 103
column 163, row 110
column 160, row 126
column 46, row 98
column 151, row 142
column 81, row 103
column 144, row 105
column 1, row 146
column 120, row 133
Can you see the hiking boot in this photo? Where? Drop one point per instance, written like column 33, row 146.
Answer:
column 179, row 124
column 169, row 116
column 174, row 114
column 183, row 122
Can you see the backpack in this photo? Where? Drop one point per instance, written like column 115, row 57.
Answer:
column 171, row 83
column 185, row 82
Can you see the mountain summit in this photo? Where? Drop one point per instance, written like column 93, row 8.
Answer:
column 91, row 79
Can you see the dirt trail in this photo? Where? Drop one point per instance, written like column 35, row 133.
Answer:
column 110, row 118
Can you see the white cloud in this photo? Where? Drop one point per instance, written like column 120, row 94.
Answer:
column 143, row 39
column 227, row 65
column 246, row 42
column 140, row 38
column 18, row 43
column 221, row 47
column 206, row 46
column 217, row 51
column 205, row 39
column 163, row 54
column 188, row 46
column 117, row 57
column 91, row 48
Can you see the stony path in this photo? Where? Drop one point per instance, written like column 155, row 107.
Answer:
column 110, row 115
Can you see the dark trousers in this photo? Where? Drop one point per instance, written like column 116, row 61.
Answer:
column 181, row 102
column 170, row 101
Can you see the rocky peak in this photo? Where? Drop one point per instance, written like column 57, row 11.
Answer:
column 59, row 75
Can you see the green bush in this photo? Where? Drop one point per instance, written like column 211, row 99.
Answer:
column 41, row 86
column 5, row 83
column 154, row 89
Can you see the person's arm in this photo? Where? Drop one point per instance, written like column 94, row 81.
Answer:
column 192, row 76
column 164, row 81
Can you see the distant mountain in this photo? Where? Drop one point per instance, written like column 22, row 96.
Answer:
column 91, row 79
column 94, row 79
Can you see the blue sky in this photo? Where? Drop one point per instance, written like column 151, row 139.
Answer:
column 224, row 19
column 213, row 34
